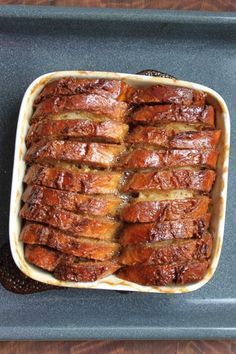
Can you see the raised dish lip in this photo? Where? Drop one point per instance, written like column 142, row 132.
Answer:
column 112, row 282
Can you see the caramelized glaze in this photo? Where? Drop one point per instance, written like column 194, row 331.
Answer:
column 78, row 128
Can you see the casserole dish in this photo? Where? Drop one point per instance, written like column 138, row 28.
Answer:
column 219, row 192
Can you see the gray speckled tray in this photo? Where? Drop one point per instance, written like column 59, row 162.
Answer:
column 199, row 47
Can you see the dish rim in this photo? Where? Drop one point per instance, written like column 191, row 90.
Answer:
column 111, row 282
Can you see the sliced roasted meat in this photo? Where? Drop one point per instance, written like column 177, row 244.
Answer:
column 81, row 247
column 43, row 257
column 92, row 154
column 100, row 228
column 68, row 86
column 150, row 158
column 161, row 137
column 201, row 180
column 166, row 252
column 84, row 271
column 167, row 230
column 91, row 103
column 79, row 203
column 68, row 267
column 164, row 210
column 202, row 115
column 160, row 275
column 75, row 180
column 165, row 94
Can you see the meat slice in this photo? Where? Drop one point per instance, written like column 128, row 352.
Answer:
column 81, row 247
column 92, row 154
column 167, row 252
column 202, row 115
column 84, row 271
column 150, row 158
column 107, row 131
column 201, row 140
column 75, row 180
column 161, row 275
column 165, row 210
column 68, row 267
column 79, row 203
column 167, row 230
column 78, row 225
column 96, row 104
column 72, row 86
column 42, row 257
column 165, row 94
column 201, row 180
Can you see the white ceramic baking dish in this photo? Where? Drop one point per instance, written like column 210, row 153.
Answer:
column 219, row 194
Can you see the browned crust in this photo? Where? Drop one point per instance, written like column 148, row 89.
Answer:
column 201, row 140
column 90, row 103
column 206, row 139
column 164, row 210
column 78, row 225
column 191, row 272
column 177, row 229
column 71, row 180
column 42, row 257
column 72, row 86
column 66, row 267
column 81, row 247
column 85, row 271
column 91, row 154
column 170, row 236
column 107, row 131
column 165, row 94
column 203, row 115
column 166, row 252
column 79, row 203
column 145, row 158
column 201, row 180
column 161, row 275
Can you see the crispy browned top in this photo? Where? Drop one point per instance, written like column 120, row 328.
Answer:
column 166, row 94
column 65, row 267
column 167, row 252
column 105, row 131
column 78, row 225
column 174, row 113
column 92, row 154
column 33, row 233
column 44, row 258
column 85, row 272
column 201, row 180
column 74, row 180
column 142, row 158
column 92, row 103
column 160, row 275
column 79, row 203
column 206, row 139
column 72, row 86
column 167, row 230
column 150, row 211
column 93, row 180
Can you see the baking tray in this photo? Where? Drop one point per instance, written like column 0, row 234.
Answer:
column 218, row 194
column 198, row 47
